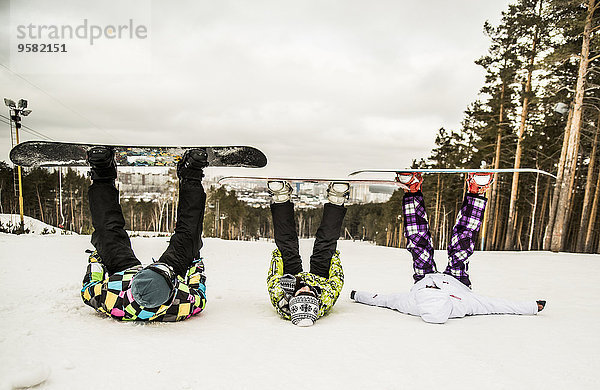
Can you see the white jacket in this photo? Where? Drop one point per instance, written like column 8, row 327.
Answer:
column 451, row 299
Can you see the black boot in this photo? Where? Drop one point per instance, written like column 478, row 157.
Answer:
column 191, row 165
column 102, row 161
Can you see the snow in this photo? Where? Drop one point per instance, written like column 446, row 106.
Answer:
column 30, row 376
column 48, row 335
column 35, row 226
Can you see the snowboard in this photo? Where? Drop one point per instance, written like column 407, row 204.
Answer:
column 375, row 186
column 64, row 154
column 294, row 180
column 452, row 170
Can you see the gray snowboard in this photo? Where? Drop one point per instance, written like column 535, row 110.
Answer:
column 56, row 154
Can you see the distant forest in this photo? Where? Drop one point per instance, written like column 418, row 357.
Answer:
column 539, row 107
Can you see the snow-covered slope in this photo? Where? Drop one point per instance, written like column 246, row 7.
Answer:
column 35, row 226
column 240, row 342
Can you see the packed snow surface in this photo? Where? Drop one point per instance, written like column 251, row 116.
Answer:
column 48, row 335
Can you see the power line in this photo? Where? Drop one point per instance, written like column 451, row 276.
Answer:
column 29, row 130
column 57, row 100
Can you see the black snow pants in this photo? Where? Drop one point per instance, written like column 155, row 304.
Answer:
column 112, row 242
column 286, row 238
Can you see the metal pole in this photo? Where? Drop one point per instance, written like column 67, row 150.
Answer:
column 12, row 145
column 217, row 218
column 60, row 199
column 20, row 185
column 21, row 199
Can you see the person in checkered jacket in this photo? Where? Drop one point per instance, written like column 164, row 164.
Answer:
column 436, row 297
column 116, row 284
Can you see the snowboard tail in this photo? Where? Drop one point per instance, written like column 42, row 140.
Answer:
column 57, row 154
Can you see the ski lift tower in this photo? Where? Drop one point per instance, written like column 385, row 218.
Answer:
column 15, row 111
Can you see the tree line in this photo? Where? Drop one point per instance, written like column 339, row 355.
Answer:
column 225, row 215
column 538, row 107
column 41, row 197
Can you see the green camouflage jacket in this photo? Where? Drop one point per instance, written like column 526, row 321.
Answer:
column 330, row 287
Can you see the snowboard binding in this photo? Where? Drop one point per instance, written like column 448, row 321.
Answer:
column 192, row 164
column 478, row 182
column 280, row 190
column 102, row 161
column 338, row 192
column 409, row 182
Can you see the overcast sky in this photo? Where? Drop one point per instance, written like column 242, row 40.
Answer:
column 322, row 87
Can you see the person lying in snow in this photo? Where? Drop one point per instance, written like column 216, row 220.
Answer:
column 116, row 284
column 303, row 297
column 439, row 296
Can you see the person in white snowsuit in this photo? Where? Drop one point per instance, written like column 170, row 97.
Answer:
column 436, row 297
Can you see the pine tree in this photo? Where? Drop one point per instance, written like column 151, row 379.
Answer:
column 582, row 12
column 529, row 26
column 501, row 64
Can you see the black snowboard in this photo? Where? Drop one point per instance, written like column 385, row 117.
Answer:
column 56, row 154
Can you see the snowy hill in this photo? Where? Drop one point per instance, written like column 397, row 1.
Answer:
column 240, row 342
column 35, row 226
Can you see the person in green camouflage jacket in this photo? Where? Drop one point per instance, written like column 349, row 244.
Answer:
column 300, row 296
column 116, row 284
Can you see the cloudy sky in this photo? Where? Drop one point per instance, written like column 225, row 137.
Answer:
column 322, row 87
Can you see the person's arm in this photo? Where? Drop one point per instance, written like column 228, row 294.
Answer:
column 399, row 301
column 196, row 281
column 332, row 289
column 92, row 291
column 276, row 293
column 489, row 305
column 189, row 295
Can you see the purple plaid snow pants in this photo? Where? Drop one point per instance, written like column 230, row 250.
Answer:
column 462, row 242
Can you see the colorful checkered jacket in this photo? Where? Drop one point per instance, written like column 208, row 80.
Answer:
column 111, row 295
column 330, row 288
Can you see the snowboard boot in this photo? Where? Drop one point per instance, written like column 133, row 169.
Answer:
column 191, row 165
column 409, row 182
column 479, row 182
column 338, row 192
column 280, row 190
column 541, row 305
column 102, row 161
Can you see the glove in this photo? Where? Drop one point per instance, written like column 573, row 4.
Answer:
column 195, row 275
column 199, row 264
column 288, row 284
column 95, row 273
column 94, row 257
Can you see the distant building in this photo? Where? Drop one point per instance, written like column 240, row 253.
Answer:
column 150, row 184
column 146, row 184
